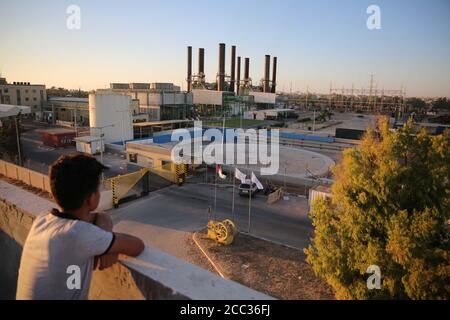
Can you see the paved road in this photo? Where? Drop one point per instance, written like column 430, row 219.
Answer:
column 166, row 217
column 39, row 157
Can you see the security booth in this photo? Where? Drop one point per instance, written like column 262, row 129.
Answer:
column 90, row 145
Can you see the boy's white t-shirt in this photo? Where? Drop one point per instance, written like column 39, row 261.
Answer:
column 54, row 251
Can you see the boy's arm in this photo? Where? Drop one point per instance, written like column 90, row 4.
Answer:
column 103, row 221
column 126, row 244
column 122, row 243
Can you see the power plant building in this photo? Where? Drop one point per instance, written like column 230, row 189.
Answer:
column 161, row 101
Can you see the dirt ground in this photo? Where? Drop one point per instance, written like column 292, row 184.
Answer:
column 39, row 192
column 273, row 269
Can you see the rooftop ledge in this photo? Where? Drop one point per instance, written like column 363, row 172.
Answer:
column 152, row 275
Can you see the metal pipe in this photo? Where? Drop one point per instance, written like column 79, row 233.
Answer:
column 247, row 69
column 189, row 69
column 238, row 77
column 201, row 61
column 233, row 68
column 221, row 74
column 274, row 75
column 266, row 87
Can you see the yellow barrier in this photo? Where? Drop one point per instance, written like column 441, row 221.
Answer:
column 122, row 184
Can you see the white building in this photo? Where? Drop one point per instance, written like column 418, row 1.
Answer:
column 110, row 115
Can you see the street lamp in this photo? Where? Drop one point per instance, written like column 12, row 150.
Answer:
column 123, row 129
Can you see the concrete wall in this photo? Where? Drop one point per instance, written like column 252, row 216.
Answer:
column 27, row 176
column 14, row 226
column 152, row 275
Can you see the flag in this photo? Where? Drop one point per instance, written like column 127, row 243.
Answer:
column 256, row 181
column 239, row 175
column 219, row 171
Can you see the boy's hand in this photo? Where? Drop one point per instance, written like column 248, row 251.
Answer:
column 104, row 221
column 105, row 261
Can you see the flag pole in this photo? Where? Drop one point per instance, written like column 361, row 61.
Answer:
column 215, row 194
column 249, row 207
column 232, row 204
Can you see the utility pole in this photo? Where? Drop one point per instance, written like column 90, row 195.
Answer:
column 16, row 119
column 73, row 113
column 370, row 91
column 102, row 144
column 314, row 119
column 351, row 101
column 307, row 93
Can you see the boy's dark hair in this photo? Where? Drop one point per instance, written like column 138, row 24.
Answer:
column 73, row 178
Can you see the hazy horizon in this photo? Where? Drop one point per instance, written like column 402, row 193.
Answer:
column 316, row 42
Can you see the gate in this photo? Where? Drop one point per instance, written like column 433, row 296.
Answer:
column 129, row 186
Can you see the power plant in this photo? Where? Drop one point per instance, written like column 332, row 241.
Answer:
column 229, row 94
column 230, row 82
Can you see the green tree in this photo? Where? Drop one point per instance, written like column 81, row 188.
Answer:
column 8, row 140
column 417, row 103
column 441, row 104
column 390, row 208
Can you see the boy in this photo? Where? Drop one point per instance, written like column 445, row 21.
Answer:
column 71, row 240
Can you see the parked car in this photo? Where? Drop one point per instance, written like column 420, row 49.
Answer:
column 244, row 188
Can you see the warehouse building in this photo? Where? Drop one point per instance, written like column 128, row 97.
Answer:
column 67, row 111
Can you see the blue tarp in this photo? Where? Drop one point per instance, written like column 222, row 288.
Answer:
column 165, row 138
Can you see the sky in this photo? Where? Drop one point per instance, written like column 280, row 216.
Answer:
column 317, row 42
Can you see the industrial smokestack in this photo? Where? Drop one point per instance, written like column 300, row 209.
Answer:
column 247, row 69
column 266, row 86
column 189, row 69
column 233, row 68
column 238, row 79
column 274, row 75
column 221, row 74
column 201, row 61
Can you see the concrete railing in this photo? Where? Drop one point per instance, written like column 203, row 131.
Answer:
column 152, row 275
column 27, row 176
column 42, row 181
